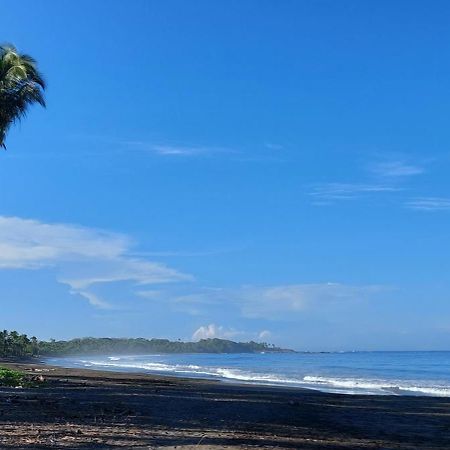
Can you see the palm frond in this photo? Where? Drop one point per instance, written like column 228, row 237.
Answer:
column 21, row 85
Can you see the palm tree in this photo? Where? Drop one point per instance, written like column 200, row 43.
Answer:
column 21, row 85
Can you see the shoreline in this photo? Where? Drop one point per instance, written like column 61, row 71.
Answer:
column 96, row 409
column 361, row 386
column 40, row 364
column 186, row 378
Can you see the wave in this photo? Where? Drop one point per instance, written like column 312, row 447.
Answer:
column 219, row 372
column 379, row 386
column 345, row 385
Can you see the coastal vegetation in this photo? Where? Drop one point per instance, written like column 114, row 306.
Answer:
column 142, row 346
column 21, row 85
column 19, row 345
column 11, row 378
column 13, row 343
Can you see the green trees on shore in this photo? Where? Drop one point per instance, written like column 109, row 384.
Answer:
column 15, row 344
column 21, row 85
column 19, row 345
column 142, row 346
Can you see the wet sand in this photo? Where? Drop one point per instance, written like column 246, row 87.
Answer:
column 86, row 409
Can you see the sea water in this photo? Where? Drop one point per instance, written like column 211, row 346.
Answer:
column 385, row 373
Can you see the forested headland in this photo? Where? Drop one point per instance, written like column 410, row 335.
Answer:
column 14, row 344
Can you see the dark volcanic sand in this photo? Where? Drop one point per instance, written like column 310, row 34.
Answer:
column 84, row 409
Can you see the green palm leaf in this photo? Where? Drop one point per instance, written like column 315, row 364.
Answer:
column 21, row 85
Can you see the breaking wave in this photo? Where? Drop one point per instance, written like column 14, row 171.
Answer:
column 273, row 375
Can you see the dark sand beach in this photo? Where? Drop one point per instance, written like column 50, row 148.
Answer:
column 86, row 409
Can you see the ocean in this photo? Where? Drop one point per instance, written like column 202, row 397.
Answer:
column 370, row 373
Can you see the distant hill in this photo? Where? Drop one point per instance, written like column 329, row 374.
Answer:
column 14, row 344
column 89, row 346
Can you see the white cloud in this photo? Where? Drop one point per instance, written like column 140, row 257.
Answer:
column 265, row 334
column 30, row 244
column 214, row 331
column 396, row 169
column 81, row 256
column 346, row 191
column 429, row 204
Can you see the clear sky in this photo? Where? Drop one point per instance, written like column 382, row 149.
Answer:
column 268, row 170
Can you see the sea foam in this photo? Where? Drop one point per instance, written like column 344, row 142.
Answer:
column 401, row 373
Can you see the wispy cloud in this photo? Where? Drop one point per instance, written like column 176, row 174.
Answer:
column 87, row 259
column 271, row 302
column 273, row 146
column 173, row 150
column 429, row 204
column 122, row 268
column 192, row 253
column 398, row 168
column 283, row 301
column 347, row 191
column 93, row 299
column 382, row 177
column 157, row 147
column 81, row 256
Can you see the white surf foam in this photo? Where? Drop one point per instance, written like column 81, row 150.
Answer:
column 346, row 385
column 378, row 386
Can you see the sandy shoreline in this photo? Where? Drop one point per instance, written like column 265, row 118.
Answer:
column 91, row 409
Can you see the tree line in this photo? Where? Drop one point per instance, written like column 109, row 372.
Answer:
column 14, row 344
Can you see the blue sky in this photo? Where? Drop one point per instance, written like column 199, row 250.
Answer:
column 262, row 170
